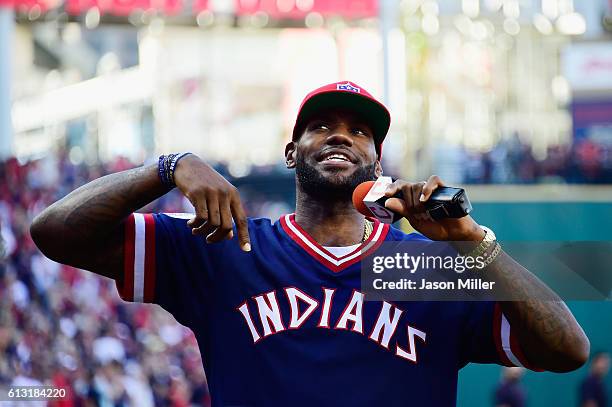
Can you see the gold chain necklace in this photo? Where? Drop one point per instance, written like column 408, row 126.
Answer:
column 368, row 227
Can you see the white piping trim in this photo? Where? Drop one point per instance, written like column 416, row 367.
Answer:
column 180, row 215
column 505, row 338
column 328, row 257
column 139, row 256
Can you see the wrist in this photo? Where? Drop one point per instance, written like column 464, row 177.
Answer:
column 469, row 240
column 166, row 168
column 488, row 248
column 184, row 162
column 476, row 234
column 467, row 231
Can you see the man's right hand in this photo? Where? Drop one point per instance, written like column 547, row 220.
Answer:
column 215, row 200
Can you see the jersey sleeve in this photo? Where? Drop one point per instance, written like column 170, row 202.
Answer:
column 488, row 337
column 164, row 264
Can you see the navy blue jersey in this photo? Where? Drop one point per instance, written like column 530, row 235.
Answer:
column 287, row 324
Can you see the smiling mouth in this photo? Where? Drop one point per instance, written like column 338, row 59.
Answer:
column 335, row 157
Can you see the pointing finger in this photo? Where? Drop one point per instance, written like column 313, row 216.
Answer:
column 242, row 225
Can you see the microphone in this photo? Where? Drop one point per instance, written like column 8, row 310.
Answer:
column 445, row 202
column 369, row 200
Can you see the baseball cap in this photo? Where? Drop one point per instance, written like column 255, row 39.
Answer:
column 347, row 95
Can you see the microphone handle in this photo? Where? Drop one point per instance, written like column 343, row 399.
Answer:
column 444, row 203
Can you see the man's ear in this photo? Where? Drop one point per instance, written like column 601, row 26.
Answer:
column 290, row 154
column 378, row 170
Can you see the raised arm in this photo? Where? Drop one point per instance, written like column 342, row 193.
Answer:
column 85, row 228
column 548, row 333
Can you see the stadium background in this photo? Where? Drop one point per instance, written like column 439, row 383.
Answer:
column 512, row 98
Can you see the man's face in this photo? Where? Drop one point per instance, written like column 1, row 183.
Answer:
column 335, row 153
column 601, row 365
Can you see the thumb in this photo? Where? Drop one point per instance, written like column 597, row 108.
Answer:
column 396, row 205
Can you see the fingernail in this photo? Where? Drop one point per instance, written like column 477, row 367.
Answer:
column 422, row 198
column 246, row 247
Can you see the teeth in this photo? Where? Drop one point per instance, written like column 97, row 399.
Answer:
column 337, row 157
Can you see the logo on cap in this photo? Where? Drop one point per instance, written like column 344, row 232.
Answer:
column 348, row 87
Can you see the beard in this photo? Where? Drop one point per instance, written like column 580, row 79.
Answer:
column 334, row 187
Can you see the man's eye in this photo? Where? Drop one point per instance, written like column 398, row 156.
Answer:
column 360, row 132
column 320, row 127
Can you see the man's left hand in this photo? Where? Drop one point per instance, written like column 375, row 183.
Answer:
column 412, row 207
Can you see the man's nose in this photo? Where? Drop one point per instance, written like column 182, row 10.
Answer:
column 340, row 136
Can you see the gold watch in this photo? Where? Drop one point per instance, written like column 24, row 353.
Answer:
column 486, row 243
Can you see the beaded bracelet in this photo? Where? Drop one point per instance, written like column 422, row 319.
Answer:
column 161, row 172
column 166, row 167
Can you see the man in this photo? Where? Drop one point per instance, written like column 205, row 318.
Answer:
column 278, row 310
column 510, row 392
column 593, row 387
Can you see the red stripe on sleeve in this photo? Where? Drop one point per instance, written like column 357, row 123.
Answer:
column 150, row 258
column 126, row 292
column 497, row 317
column 518, row 352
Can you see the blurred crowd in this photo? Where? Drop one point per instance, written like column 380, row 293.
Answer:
column 68, row 328
column 591, row 392
column 512, row 161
